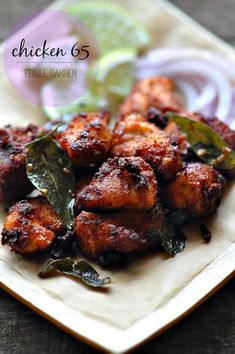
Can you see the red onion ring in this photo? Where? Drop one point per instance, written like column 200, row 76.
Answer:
column 204, row 78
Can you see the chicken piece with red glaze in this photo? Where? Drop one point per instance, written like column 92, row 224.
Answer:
column 131, row 131
column 135, row 136
column 87, row 138
column 120, row 183
column 83, row 179
column 14, row 183
column 196, row 190
column 155, row 92
column 31, row 225
column 102, row 234
column 175, row 134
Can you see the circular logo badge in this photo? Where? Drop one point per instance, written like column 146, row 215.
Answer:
column 47, row 56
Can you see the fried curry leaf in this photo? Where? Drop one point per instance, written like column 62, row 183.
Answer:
column 205, row 142
column 172, row 238
column 50, row 171
column 81, row 270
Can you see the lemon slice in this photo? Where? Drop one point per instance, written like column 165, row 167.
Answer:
column 110, row 79
column 112, row 26
column 90, row 102
column 113, row 72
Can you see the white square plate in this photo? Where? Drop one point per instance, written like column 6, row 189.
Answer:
column 174, row 29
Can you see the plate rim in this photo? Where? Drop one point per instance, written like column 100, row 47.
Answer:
column 120, row 341
column 127, row 339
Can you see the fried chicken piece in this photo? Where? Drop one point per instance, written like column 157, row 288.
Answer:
column 31, row 225
column 87, row 138
column 154, row 92
column 130, row 132
column 14, row 183
column 83, row 179
column 100, row 234
column 135, row 136
column 173, row 131
column 196, row 190
column 120, row 183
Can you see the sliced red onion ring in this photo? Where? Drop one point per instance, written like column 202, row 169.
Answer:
column 188, row 91
column 204, row 78
column 207, row 96
column 162, row 56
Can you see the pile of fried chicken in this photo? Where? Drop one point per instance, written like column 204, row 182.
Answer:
column 127, row 179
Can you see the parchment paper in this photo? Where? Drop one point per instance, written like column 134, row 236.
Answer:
column 151, row 280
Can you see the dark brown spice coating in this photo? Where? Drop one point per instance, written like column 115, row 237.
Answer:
column 100, row 234
column 154, row 92
column 14, row 183
column 196, row 190
column 120, row 183
column 87, row 138
column 31, row 225
column 135, row 136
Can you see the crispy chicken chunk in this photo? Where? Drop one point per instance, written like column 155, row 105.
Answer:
column 120, row 183
column 100, row 234
column 154, row 92
column 87, row 138
column 196, row 190
column 83, row 179
column 173, row 131
column 14, row 183
column 31, row 225
column 130, row 132
column 135, row 136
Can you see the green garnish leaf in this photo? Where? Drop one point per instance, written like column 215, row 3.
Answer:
column 50, row 171
column 205, row 142
column 172, row 238
column 81, row 270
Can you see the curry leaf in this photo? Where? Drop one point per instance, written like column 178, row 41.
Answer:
column 81, row 270
column 205, row 142
column 171, row 236
column 50, row 171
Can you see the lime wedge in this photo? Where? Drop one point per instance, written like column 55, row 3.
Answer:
column 90, row 102
column 113, row 72
column 112, row 26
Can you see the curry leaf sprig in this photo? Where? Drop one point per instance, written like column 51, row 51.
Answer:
column 50, row 171
column 206, row 143
column 171, row 236
column 81, row 270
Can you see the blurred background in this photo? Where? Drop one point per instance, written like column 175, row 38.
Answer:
column 208, row 330
column 216, row 15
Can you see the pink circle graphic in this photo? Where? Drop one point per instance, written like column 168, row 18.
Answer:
column 47, row 56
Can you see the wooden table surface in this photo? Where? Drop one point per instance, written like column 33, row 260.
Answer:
column 208, row 330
